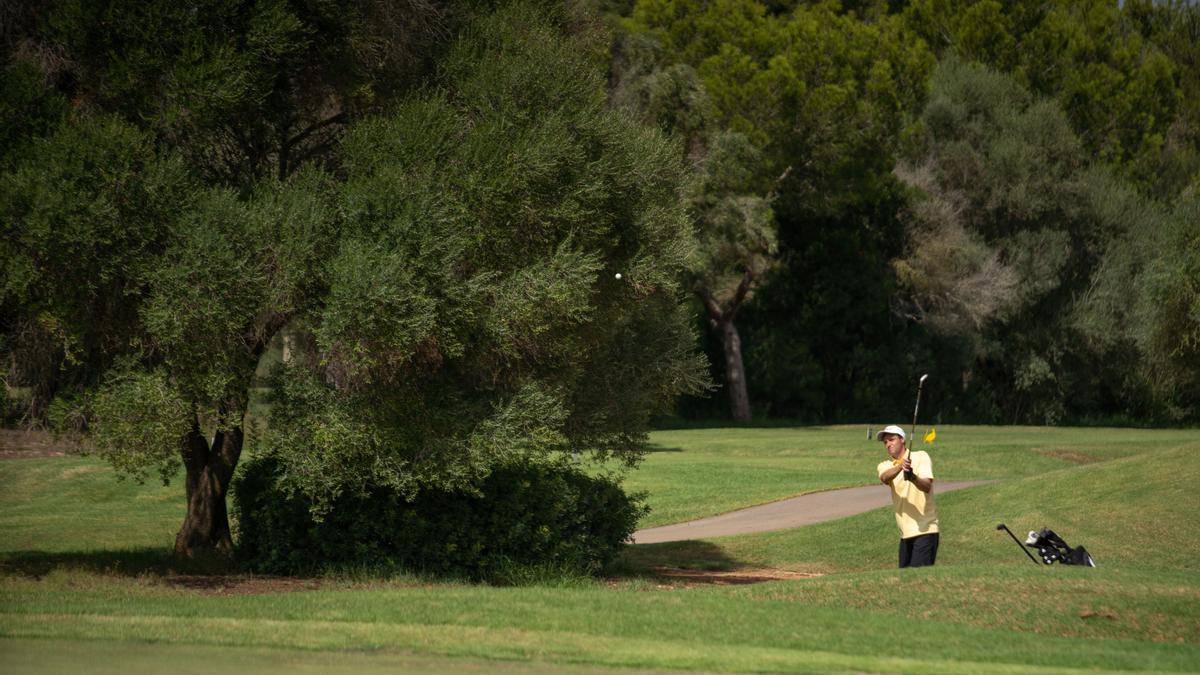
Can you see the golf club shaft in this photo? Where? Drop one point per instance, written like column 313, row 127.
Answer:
column 908, row 475
column 916, row 408
column 1004, row 527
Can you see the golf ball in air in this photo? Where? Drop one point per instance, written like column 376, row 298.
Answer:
column 618, row 275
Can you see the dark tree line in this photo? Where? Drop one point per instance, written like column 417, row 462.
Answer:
column 1014, row 219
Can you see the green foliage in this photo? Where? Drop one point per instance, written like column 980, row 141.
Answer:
column 521, row 517
column 1171, row 334
column 1145, row 293
column 1021, row 244
column 85, row 211
column 235, row 271
column 1174, row 28
column 27, row 109
column 244, row 90
column 450, row 289
column 817, row 91
column 736, row 228
column 472, row 314
column 1119, row 90
column 139, row 421
column 820, row 94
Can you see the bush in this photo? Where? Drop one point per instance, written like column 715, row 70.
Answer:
column 527, row 516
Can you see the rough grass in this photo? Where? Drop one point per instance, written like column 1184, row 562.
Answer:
column 84, row 571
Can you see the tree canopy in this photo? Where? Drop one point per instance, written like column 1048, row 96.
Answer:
column 446, row 264
column 488, row 229
column 1095, row 154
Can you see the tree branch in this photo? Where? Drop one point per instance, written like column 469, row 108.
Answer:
column 312, row 129
column 710, row 305
column 740, row 295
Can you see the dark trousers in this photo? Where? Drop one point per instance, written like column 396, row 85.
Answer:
column 919, row 551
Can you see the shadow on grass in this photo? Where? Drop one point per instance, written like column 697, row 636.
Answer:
column 126, row 562
column 691, row 564
column 648, row 560
column 654, row 449
column 673, row 563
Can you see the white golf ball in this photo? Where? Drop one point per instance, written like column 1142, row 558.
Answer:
column 618, row 275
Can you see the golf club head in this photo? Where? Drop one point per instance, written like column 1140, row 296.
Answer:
column 922, row 380
column 1001, row 526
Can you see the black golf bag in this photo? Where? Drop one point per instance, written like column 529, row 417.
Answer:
column 1053, row 549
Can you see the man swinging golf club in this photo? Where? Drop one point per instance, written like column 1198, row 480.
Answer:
column 910, row 476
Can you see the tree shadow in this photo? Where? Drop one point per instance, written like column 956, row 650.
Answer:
column 654, row 449
column 693, row 563
column 134, row 562
column 658, row 562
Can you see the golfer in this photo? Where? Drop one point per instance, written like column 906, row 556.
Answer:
column 910, row 476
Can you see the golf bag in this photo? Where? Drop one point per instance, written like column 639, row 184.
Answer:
column 1053, row 549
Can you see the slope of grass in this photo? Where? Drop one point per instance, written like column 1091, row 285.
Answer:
column 1134, row 512
column 765, row 627
column 78, row 504
column 77, row 572
column 696, row 473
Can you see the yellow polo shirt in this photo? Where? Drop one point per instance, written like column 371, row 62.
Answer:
column 916, row 512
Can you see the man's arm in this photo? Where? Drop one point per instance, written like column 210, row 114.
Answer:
column 890, row 474
column 923, row 484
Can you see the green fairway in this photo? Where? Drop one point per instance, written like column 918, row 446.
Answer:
column 85, row 575
column 124, row 658
column 702, row 472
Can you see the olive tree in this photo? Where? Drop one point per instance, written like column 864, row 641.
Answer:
column 451, row 277
column 506, row 280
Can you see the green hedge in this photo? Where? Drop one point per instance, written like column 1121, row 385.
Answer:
column 527, row 515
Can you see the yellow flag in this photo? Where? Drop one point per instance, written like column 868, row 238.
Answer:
column 930, row 435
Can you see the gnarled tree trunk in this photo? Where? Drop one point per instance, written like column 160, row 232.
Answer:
column 735, row 372
column 722, row 322
column 209, row 471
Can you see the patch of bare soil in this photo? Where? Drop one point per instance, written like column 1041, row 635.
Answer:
column 22, row 444
column 690, row 577
column 1068, row 455
column 240, row 584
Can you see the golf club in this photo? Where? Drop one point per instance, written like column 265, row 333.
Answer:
column 1004, row 527
column 908, row 475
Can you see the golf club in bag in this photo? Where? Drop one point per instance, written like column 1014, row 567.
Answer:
column 1052, row 548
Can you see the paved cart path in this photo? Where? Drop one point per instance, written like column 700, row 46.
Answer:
column 793, row 512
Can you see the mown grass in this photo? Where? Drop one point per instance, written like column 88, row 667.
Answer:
column 78, row 576
column 695, row 473
column 124, row 658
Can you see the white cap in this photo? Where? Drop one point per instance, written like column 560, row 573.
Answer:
column 890, row 429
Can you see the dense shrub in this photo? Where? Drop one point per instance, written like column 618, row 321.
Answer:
column 526, row 515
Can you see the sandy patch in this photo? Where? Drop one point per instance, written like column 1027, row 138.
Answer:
column 690, row 577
